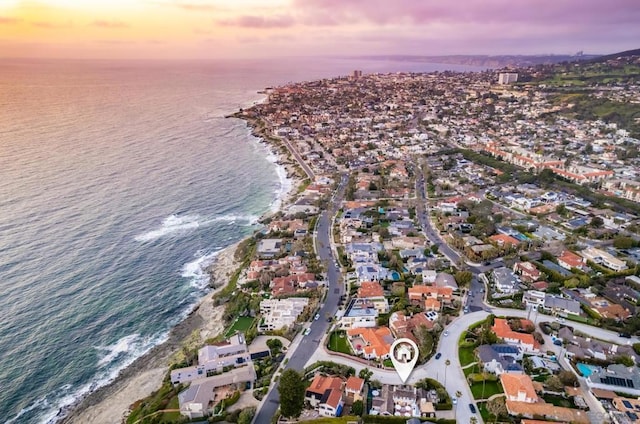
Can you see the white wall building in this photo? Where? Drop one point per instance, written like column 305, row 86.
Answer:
column 280, row 313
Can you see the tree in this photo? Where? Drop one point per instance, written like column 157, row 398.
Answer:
column 365, row 374
column 274, row 345
column 446, row 365
column 497, row 407
column 434, row 248
column 291, row 390
column 597, row 222
column 568, row 378
column 554, row 384
column 246, row 416
column 357, row 408
column 622, row 242
column 463, row 278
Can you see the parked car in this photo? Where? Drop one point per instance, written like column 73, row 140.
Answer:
column 625, row 335
column 307, row 331
column 454, row 400
column 317, row 317
column 472, row 408
column 446, row 333
column 438, row 355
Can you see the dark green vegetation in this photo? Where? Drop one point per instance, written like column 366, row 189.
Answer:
column 291, row 390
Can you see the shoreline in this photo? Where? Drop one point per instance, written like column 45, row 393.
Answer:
column 111, row 403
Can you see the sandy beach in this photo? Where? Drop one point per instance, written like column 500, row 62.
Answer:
column 110, row 404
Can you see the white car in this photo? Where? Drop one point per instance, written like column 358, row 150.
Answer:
column 454, row 400
column 446, row 333
column 307, row 331
column 317, row 317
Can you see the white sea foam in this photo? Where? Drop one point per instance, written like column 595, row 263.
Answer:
column 176, row 225
column 121, row 347
column 195, row 270
column 171, row 225
column 285, row 182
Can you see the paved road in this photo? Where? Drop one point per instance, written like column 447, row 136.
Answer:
column 304, row 346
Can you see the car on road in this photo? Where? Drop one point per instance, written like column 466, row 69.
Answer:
column 446, row 333
column 317, row 317
column 438, row 355
column 466, row 309
column 307, row 331
column 454, row 400
column 625, row 335
column 472, row 408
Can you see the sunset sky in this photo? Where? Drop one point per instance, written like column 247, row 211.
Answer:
column 272, row 28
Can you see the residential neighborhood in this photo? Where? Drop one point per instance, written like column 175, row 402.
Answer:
column 483, row 221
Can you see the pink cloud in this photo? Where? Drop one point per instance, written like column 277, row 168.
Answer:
column 50, row 25
column 505, row 11
column 109, row 24
column 253, row 21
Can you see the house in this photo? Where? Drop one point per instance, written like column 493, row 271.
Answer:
column 430, row 296
column 518, row 388
column 561, row 306
column 214, row 359
column 280, row 313
column 429, row 276
column 198, row 399
column 331, row 403
column 372, row 291
column 446, row 281
column 523, row 340
column 371, row 272
column 500, row 358
column 360, row 313
column 505, row 281
column 371, row 343
column 269, row 248
column 616, row 377
column 527, row 271
column 503, row 240
column 321, row 388
column 403, row 326
column 353, row 388
column 603, row 258
column 533, row 298
column 547, row 411
column 569, row 260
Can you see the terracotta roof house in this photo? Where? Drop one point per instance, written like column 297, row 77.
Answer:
column 372, row 291
column 372, row 343
column 331, row 403
column 518, row 388
column 527, row 271
column 569, row 260
column 524, row 340
column 504, row 240
column 319, row 386
column 548, row 411
column 353, row 388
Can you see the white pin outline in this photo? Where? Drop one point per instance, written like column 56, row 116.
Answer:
column 404, row 369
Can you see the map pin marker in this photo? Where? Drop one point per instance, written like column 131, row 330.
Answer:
column 404, row 355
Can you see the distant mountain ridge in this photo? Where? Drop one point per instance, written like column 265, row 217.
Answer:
column 498, row 61
column 626, row 53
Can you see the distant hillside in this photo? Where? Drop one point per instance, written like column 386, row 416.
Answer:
column 499, row 61
column 626, row 53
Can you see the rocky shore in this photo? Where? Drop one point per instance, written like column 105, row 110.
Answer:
column 110, row 403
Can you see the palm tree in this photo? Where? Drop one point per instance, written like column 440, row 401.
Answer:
column 455, row 411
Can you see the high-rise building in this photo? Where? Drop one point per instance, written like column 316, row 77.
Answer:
column 357, row 74
column 507, row 77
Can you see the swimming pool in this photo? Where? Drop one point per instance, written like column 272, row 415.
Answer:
column 585, row 369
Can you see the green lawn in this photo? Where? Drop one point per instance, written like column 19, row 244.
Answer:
column 490, row 388
column 559, row 401
column 466, row 355
column 240, row 324
column 338, row 342
column 482, row 408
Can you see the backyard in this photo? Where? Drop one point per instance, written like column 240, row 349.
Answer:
column 490, row 388
column 241, row 324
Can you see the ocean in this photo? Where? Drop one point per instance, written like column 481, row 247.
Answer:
column 119, row 183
